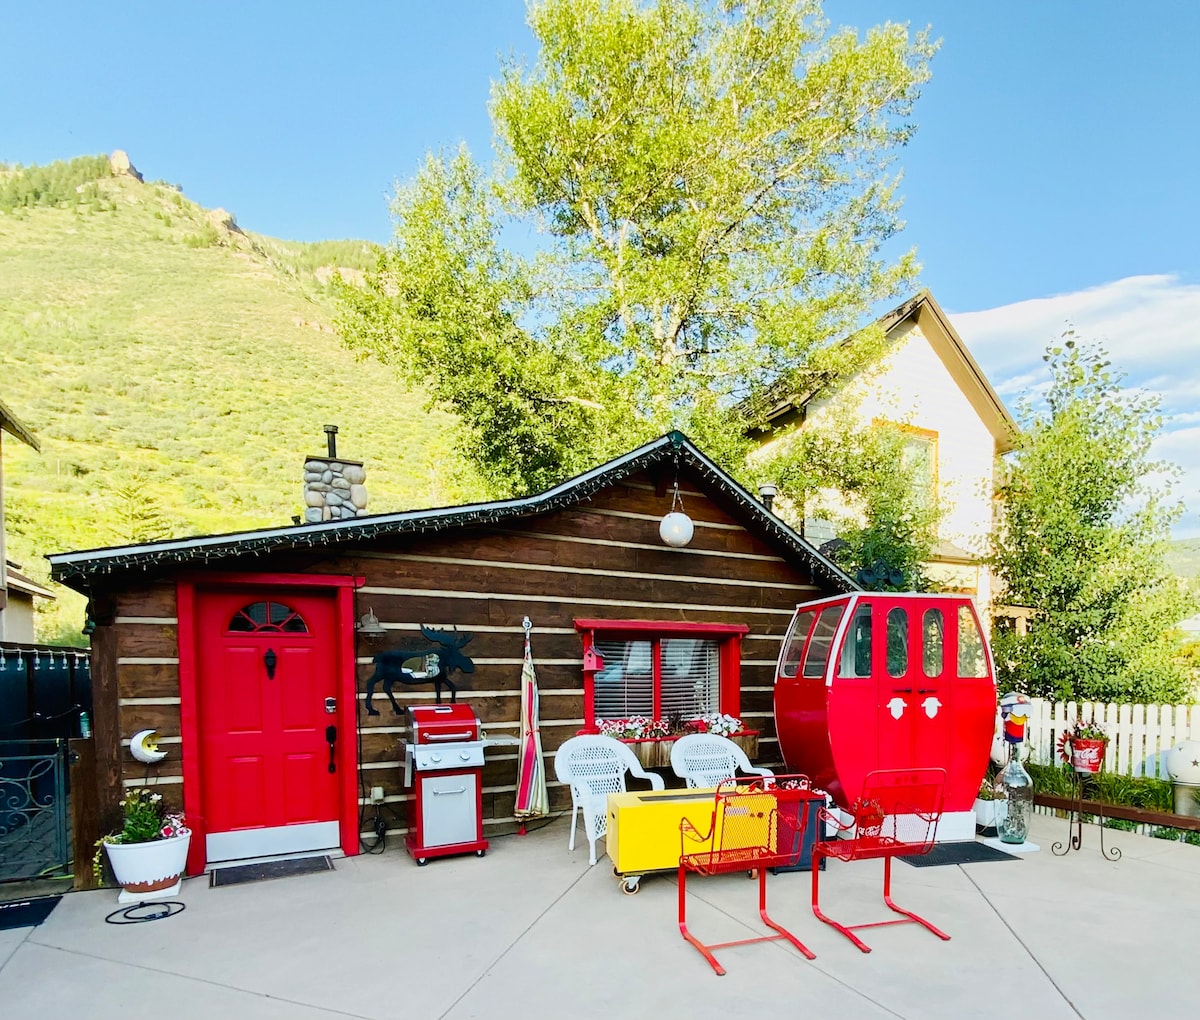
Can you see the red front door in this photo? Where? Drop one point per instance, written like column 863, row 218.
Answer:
column 266, row 695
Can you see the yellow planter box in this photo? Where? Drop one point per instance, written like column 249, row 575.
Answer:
column 643, row 828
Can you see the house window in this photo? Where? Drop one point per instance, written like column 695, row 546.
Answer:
column 267, row 617
column 919, row 457
column 660, row 669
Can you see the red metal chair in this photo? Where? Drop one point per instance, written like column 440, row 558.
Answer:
column 757, row 823
column 896, row 816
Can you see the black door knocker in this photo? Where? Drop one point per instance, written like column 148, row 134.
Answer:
column 269, row 660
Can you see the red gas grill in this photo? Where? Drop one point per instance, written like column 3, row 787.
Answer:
column 444, row 767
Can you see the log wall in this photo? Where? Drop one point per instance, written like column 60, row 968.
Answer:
column 599, row 559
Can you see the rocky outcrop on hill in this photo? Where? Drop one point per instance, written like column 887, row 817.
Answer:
column 121, row 165
column 223, row 220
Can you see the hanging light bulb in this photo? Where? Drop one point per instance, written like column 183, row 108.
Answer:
column 676, row 528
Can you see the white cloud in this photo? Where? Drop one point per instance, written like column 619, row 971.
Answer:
column 1150, row 327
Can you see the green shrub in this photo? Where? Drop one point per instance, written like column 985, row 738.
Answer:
column 1142, row 792
column 209, row 237
column 1164, row 832
column 64, row 182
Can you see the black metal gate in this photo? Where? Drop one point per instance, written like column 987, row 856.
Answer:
column 35, row 840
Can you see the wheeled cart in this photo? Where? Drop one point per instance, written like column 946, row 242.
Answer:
column 643, row 830
column 444, row 767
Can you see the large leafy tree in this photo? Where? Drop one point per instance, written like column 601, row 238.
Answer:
column 710, row 186
column 1082, row 541
column 857, row 478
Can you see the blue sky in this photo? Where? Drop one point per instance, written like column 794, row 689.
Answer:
column 1053, row 176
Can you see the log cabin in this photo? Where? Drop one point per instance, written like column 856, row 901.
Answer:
column 188, row 636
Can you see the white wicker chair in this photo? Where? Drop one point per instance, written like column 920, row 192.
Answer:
column 593, row 767
column 705, row 760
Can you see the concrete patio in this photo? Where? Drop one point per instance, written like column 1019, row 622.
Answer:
column 531, row 930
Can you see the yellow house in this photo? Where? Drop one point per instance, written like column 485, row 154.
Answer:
column 17, row 591
column 928, row 385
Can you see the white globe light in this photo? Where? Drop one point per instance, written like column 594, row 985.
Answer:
column 1183, row 762
column 676, row 529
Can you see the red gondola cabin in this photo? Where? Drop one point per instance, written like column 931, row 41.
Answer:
column 881, row 680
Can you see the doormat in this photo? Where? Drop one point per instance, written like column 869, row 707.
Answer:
column 958, row 853
column 268, row 869
column 26, row 913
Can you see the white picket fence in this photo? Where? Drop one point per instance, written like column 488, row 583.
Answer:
column 1138, row 735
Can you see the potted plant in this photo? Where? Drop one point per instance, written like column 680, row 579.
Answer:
column 149, row 853
column 1082, row 744
column 991, row 808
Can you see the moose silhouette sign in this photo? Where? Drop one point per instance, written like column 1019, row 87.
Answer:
column 443, row 657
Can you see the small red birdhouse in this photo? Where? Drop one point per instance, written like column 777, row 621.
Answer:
column 592, row 661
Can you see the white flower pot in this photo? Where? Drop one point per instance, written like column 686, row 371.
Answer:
column 147, row 868
column 990, row 813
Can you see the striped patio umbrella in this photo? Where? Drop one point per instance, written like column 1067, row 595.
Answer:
column 532, row 800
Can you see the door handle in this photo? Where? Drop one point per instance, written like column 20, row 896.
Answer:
column 902, row 690
column 927, row 690
column 331, row 739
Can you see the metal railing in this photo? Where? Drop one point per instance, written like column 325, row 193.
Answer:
column 34, row 835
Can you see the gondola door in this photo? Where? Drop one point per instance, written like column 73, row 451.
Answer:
column 912, row 689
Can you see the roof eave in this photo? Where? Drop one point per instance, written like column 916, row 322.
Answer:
column 78, row 569
column 11, row 424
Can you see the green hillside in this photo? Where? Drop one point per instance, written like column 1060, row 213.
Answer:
column 1183, row 557
column 177, row 370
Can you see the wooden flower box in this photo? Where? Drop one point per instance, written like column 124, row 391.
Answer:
column 655, row 752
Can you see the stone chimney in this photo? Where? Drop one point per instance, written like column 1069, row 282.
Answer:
column 333, row 486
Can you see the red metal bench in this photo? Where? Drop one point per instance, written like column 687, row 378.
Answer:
column 896, row 816
column 757, row 823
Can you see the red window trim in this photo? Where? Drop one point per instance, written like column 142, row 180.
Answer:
column 729, row 636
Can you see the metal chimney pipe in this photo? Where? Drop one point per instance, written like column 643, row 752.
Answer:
column 331, row 439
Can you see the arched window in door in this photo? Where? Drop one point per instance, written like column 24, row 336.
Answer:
column 267, row 618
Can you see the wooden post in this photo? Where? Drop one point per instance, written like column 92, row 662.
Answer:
column 106, row 728
column 85, row 817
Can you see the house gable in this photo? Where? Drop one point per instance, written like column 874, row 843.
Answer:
column 927, row 383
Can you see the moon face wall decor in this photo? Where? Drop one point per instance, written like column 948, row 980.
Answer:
column 144, row 747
